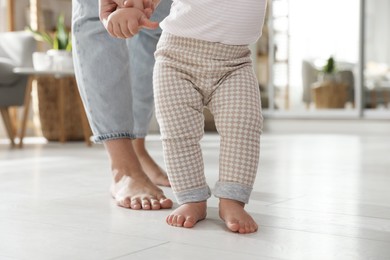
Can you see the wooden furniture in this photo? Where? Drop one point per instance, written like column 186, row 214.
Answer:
column 10, row 15
column 330, row 94
column 9, row 126
column 379, row 94
column 60, row 76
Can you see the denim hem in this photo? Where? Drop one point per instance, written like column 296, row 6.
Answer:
column 113, row 136
column 140, row 135
column 233, row 191
column 194, row 195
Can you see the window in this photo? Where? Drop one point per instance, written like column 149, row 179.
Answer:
column 3, row 16
column 376, row 91
column 298, row 38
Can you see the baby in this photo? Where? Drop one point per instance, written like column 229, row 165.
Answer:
column 203, row 60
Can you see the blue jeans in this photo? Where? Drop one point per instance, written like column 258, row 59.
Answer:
column 115, row 76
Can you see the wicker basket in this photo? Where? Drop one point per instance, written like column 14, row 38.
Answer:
column 328, row 94
column 49, row 112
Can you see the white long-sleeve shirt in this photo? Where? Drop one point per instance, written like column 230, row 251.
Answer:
column 225, row 21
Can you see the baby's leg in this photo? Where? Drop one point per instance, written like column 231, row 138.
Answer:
column 237, row 113
column 179, row 111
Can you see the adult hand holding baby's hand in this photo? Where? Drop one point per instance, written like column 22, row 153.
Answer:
column 124, row 19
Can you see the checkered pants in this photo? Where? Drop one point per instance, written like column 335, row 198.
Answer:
column 189, row 75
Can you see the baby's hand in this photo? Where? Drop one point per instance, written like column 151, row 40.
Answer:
column 126, row 22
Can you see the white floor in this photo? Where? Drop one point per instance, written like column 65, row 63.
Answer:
column 316, row 197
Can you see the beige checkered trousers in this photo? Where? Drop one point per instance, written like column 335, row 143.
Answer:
column 189, row 75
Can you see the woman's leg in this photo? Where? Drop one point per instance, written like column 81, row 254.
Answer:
column 141, row 48
column 155, row 173
column 102, row 72
column 131, row 187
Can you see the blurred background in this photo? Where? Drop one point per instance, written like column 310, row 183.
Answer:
column 299, row 39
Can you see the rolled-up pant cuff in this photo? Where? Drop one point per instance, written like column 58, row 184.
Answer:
column 233, row 191
column 112, row 136
column 195, row 195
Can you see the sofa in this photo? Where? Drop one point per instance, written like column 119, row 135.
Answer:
column 16, row 49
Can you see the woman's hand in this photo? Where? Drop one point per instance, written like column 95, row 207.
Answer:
column 124, row 18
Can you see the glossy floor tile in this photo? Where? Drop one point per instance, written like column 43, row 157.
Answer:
column 315, row 197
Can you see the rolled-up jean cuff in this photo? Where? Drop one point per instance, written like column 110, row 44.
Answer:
column 195, row 195
column 113, row 136
column 140, row 135
column 233, row 191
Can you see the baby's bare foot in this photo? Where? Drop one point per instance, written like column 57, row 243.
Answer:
column 138, row 192
column 187, row 215
column 235, row 216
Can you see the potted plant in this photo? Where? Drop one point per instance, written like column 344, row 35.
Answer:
column 60, row 41
column 329, row 70
column 330, row 91
column 60, row 57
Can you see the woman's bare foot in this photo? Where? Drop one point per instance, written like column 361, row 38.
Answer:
column 131, row 187
column 155, row 173
column 235, row 216
column 138, row 192
column 187, row 215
